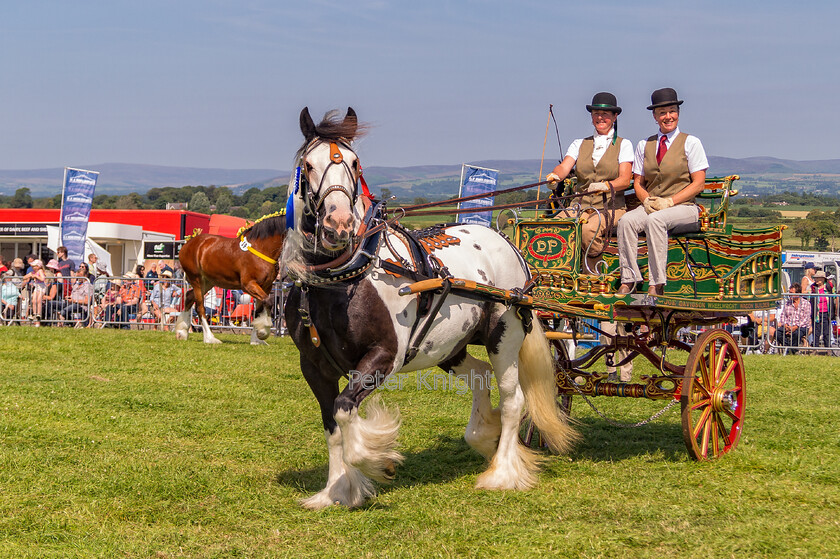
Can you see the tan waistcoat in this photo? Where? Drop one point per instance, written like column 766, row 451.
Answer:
column 669, row 177
column 606, row 170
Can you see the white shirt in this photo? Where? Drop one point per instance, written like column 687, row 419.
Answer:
column 602, row 142
column 694, row 153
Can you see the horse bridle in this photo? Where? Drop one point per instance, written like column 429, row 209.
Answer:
column 336, row 158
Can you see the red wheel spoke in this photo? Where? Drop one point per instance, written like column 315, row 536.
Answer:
column 719, row 363
column 715, row 436
column 724, row 432
column 704, row 372
column 728, row 372
column 701, row 403
column 698, row 387
column 701, row 423
column 735, row 419
column 704, row 447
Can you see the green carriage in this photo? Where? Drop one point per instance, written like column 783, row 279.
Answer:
column 715, row 273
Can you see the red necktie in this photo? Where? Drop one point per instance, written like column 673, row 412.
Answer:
column 662, row 149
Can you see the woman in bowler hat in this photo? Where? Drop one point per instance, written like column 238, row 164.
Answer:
column 602, row 164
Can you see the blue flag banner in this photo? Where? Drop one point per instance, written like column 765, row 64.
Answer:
column 477, row 180
column 76, row 201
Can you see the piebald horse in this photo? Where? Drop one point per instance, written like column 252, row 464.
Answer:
column 348, row 318
column 248, row 262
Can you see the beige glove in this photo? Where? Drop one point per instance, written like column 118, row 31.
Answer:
column 596, row 187
column 648, row 204
column 553, row 177
column 661, row 203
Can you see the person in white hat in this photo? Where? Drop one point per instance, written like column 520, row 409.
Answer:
column 164, row 299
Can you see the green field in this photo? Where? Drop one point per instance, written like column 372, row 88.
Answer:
column 131, row 444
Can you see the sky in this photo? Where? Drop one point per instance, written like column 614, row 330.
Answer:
column 220, row 84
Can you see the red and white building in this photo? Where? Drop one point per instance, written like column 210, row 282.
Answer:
column 130, row 236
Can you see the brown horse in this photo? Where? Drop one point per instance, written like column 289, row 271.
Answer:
column 248, row 262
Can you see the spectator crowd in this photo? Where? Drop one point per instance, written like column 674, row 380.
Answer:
column 64, row 295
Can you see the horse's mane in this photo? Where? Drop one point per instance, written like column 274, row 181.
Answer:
column 267, row 226
column 334, row 128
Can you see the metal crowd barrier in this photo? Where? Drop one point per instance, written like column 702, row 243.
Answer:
column 766, row 332
column 56, row 307
column 227, row 310
column 818, row 334
column 760, row 331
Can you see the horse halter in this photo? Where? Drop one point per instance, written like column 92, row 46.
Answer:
column 310, row 206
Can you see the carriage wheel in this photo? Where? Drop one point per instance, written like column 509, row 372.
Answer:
column 713, row 396
column 528, row 432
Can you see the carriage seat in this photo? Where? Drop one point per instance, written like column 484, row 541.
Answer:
column 713, row 202
column 684, row 230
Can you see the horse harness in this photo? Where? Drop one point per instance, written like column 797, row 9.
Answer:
column 336, row 158
column 423, row 265
column 354, row 263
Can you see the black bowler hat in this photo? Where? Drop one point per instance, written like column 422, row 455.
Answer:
column 604, row 102
column 663, row 98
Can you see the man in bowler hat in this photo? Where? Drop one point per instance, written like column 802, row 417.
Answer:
column 669, row 170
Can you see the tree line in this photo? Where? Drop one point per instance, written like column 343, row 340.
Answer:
column 821, row 227
column 791, row 198
column 251, row 204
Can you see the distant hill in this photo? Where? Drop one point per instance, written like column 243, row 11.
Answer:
column 771, row 166
column 422, row 180
column 123, row 178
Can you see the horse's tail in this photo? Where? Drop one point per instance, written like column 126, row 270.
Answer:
column 536, row 377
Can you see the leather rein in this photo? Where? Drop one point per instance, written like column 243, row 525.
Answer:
column 420, row 209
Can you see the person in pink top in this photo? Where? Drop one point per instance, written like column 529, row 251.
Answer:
column 37, row 279
column 823, row 310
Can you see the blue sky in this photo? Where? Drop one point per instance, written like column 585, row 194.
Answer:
column 220, row 83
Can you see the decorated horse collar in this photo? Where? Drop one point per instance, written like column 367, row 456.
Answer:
column 245, row 246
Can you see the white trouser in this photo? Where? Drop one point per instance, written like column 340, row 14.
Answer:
column 655, row 226
column 625, row 371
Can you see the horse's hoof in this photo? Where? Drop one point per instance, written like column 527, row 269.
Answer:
column 389, row 471
column 258, row 342
column 180, row 335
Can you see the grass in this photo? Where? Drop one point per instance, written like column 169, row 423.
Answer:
column 130, row 444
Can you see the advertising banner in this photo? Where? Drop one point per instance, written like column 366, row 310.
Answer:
column 162, row 250
column 76, row 201
column 477, row 180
